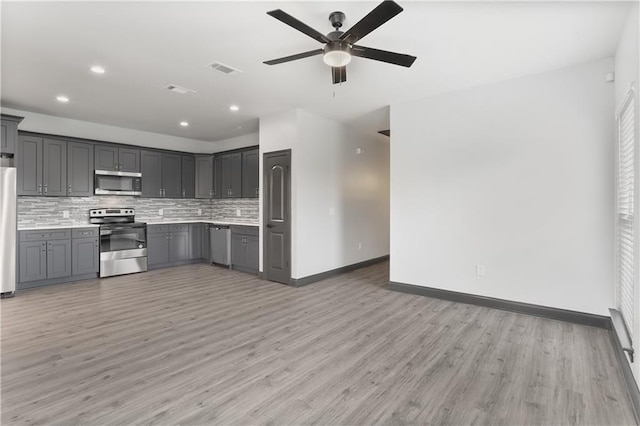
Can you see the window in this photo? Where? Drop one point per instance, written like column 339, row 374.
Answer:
column 625, row 212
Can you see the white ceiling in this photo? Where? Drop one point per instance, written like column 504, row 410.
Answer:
column 47, row 49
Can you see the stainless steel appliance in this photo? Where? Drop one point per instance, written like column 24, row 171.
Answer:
column 220, row 242
column 8, row 231
column 109, row 182
column 123, row 241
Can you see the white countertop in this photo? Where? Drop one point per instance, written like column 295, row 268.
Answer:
column 213, row 222
column 37, row 228
column 165, row 222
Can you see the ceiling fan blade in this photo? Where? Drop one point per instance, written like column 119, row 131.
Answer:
column 378, row 16
column 383, row 56
column 339, row 74
column 294, row 57
column 283, row 16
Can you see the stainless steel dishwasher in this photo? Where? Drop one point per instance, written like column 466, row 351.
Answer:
column 220, row 239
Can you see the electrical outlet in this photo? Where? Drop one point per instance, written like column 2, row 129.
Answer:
column 199, row 212
column 160, row 212
column 238, row 212
column 359, row 246
column 65, row 214
column 480, row 271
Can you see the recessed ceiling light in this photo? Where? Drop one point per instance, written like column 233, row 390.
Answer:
column 62, row 99
column 234, row 108
column 184, row 123
column 97, row 69
column 239, row 127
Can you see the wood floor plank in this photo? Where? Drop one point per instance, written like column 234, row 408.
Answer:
column 198, row 344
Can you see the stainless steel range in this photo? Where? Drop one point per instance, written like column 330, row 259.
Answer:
column 123, row 241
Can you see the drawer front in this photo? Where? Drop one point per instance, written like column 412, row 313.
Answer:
column 157, row 229
column 84, row 232
column 179, row 227
column 245, row 230
column 45, row 234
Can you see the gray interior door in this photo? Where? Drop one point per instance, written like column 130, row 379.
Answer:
column 277, row 216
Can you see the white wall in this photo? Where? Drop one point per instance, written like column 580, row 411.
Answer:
column 340, row 198
column 278, row 132
column 41, row 123
column 627, row 73
column 516, row 176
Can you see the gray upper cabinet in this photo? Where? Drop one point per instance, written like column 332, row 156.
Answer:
column 80, row 169
column 250, row 174
column 42, row 166
column 9, row 133
column 29, row 164
column 217, row 176
column 54, row 167
column 117, row 159
column 129, row 160
column 204, row 176
column 161, row 174
column 171, row 175
column 231, row 171
column 188, row 176
column 151, row 162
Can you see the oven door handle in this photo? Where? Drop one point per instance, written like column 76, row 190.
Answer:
column 120, row 228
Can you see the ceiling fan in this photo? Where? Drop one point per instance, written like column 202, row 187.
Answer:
column 340, row 46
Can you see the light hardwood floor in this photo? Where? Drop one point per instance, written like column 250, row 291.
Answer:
column 204, row 345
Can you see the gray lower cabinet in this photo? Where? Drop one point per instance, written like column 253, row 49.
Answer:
column 250, row 174
column 9, row 133
column 50, row 256
column 85, row 256
column 58, row 258
column 80, row 169
column 168, row 244
column 245, row 248
column 179, row 247
column 33, row 261
column 206, row 242
column 195, row 239
column 157, row 247
column 188, row 176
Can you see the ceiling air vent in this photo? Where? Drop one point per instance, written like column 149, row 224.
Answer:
column 180, row 90
column 223, row 68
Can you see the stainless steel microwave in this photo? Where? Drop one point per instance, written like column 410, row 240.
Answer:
column 109, row 182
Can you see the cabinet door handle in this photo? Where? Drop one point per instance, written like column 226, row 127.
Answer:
column 210, row 193
column 257, row 191
column 184, row 193
column 161, row 192
column 39, row 188
column 69, row 189
column 46, row 188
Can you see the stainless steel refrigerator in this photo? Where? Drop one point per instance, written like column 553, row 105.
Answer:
column 8, row 231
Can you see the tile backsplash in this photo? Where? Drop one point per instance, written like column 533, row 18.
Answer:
column 48, row 211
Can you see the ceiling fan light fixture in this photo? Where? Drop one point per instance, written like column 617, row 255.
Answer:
column 335, row 55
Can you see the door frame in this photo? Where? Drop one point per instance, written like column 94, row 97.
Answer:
column 265, row 251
